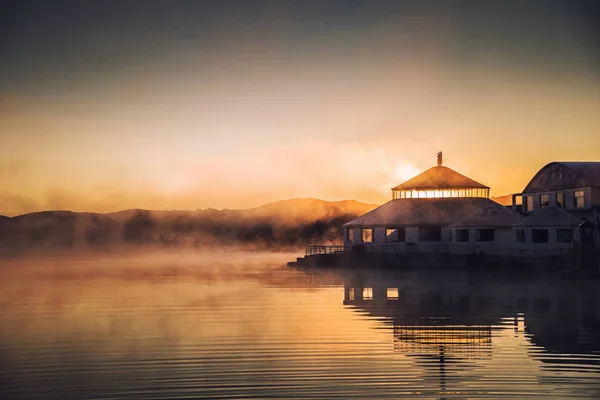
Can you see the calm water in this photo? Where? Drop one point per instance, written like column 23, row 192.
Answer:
column 244, row 326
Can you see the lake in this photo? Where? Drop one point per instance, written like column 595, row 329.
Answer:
column 243, row 325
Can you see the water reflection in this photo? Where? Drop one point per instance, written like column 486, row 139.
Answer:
column 246, row 327
column 560, row 316
column 453, row 323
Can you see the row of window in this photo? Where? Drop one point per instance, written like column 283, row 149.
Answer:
column 481, row 235
column 559, row 199
column 434, row 234
column 537, row 235
column 440, row 193
column 426, row 234
column 542, row 235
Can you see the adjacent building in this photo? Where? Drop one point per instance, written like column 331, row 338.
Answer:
column 489, row 229
column 546, row 229
column 572, row 186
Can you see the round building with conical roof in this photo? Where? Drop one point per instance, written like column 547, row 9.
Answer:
column 420, row 212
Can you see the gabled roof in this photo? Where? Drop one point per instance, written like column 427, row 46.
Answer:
column 440, row 177
column 549, row 217
column 564, row 175
column 418, row 212
column 491, row 216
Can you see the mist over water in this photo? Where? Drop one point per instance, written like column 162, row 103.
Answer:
column 225, row 324
column 283, row 225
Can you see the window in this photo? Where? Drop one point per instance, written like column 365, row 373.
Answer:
column 392, row 293
column 351, row 294
column 391, row 235
column 430, row 234
column 350, row 235
column 544, row 200
column 395, row 235
column 520, row 235
column 484, row 235
column 564, row 235
column 462, row 235
column 367, row 235
column 529, row 203
column 368, row 293
column 560, row 199
column 539, row 235
column 579, row 199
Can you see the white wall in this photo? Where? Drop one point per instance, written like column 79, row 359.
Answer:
column 505, row 238
column 552, row 243
column 379, row 233
column 445, row 235
column 412, row 235
column 504, row 242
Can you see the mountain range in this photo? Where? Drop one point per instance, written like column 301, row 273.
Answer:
column 282, row 224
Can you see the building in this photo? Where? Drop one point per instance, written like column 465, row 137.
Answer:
column 420, row 213
column 573, row 186
column 548, row 228
column 443, row 211
column 489, row 229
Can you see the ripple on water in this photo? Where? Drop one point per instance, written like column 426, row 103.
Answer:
column 286, row 333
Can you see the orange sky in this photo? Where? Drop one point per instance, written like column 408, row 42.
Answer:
column 318, row 104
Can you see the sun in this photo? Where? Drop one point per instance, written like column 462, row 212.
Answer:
column 404, row 172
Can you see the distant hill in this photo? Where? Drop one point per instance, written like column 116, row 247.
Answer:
column 295, row 210
column 506, row 200
column 287, row 223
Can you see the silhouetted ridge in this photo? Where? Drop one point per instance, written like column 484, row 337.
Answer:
column 289, row 223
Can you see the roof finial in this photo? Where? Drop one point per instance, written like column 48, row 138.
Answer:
column 439, row 158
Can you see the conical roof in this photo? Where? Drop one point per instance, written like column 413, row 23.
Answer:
column 549, row 217
column 492, row 216
column 439, row 177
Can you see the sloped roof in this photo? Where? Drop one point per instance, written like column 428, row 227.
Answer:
column 440, row 177
column 549, row 217
column 492, row 216
column 416, row 212
column 564, row 175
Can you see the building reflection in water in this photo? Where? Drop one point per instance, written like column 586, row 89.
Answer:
column 453, row 318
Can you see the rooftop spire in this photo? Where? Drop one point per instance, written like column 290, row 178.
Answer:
column 439, row 158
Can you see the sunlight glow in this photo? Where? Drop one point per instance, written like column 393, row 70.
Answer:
column 440, row 193
column 405, row 172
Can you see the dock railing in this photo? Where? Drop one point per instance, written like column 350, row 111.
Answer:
column 317, row 249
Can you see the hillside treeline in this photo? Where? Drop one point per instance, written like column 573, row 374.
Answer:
column 70, row 230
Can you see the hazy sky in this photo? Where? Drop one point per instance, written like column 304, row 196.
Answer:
column 106, row 105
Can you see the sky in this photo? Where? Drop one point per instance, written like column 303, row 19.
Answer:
column 110, row 105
